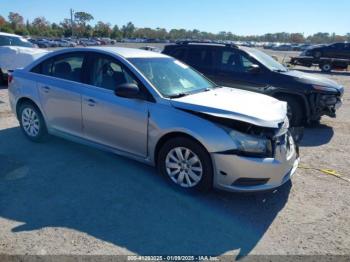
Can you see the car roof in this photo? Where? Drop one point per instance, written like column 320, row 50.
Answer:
column 119, row 51
column 127, row 52
column 203, row 44
column 7, row 34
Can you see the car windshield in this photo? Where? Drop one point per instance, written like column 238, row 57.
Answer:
column 267, row 60
column 14, row 41
column 171, row 77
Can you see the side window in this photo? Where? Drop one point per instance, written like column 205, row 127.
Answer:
column 67, row 67
column 4, row 41
column 233, row 61
column 339, row 46
column 246, row 62
column 108, row 74
column 230, row 61
column 179, row 53
column 200, row 57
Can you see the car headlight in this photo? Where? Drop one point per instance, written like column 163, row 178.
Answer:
column 250, row 145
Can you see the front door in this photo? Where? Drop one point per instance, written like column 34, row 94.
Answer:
column 113, row 121
column 233, row 70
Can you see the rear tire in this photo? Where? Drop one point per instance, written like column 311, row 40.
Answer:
column 186, row 164
column 295, row 110
column 32, row 122
column 326, row 67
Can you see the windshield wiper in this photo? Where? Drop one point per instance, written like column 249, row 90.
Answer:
column 182, row 94
column 178, row 95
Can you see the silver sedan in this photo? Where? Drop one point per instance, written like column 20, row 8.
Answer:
column 155, row 109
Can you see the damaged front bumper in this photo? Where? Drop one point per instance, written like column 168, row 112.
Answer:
column 325, row 104
column 249, row 174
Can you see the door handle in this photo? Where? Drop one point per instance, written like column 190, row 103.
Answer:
column 91, row 102
column 46, row 89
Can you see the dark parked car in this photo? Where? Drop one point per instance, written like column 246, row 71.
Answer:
column 308, row 97
column 336, row 50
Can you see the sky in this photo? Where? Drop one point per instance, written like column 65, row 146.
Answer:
column 241, row 17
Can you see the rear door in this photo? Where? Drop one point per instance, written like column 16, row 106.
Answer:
column 202, row 59
column 233, row 70
column 60, row 91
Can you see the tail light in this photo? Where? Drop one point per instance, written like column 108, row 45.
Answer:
column 9, row 78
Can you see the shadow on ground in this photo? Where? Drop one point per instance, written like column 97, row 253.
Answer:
column 63, row 184
column 317, row 135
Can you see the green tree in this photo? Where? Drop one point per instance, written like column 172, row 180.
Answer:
column 16, row 20
column 81, row 20
column 66, row 27
column 128, row 30
column 102, row 29
column 116, row 33
column 297, row 38
column 2, row 22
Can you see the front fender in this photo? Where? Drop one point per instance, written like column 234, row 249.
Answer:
column 165, row 119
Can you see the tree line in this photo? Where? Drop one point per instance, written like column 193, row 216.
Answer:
column 81, row 27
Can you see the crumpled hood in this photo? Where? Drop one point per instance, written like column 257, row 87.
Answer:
column 312, row 79
column 13, row 57
column 246, row 106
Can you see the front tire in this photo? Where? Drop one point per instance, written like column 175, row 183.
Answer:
column 32, row 122
column 186, row 164
column 294, row 110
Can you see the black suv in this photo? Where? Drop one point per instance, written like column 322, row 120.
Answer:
column 336, row 50
column 308, row 97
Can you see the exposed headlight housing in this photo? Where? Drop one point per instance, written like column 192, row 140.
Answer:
column 324, row 88
column 250, row 145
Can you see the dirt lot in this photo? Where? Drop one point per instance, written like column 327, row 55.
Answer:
column 64, row 198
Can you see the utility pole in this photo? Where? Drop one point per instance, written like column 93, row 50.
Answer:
column 72, row 20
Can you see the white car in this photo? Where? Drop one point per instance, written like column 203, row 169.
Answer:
column 16, row 52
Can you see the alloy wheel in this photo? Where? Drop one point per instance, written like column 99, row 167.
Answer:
column 184, row 167
column 30, row 122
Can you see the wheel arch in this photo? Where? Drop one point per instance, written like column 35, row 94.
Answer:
column 166, row 137
column 23, row 100
column 301, row 99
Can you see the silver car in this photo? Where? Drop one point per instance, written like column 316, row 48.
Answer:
column 155, row 109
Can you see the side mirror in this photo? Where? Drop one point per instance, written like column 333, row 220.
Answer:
column 127, row 90
column 254, row 69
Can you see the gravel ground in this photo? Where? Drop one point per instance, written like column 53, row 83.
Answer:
column 64, row 198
